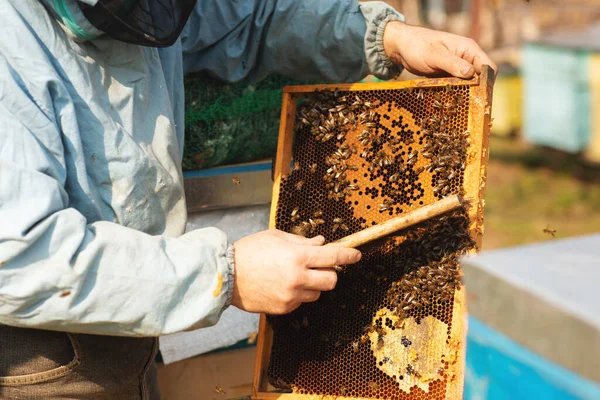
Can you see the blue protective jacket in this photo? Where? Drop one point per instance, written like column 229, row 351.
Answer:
column 92, row 207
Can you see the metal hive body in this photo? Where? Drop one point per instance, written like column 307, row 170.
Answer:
column 394, row 327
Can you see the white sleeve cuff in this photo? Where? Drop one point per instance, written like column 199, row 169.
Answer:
column 377, row 14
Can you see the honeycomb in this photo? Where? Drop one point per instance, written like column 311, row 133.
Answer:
column 360, row 158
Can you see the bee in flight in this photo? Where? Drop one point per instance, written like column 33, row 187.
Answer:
column 220, row 390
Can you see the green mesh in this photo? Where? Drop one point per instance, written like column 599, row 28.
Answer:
column 231, row 123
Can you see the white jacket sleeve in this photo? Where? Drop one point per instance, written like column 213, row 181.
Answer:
column 59, row 272
column 328, row 40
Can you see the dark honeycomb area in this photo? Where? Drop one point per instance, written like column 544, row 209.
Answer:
column 360, row 158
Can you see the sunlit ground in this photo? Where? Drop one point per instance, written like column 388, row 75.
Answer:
column 531, row 188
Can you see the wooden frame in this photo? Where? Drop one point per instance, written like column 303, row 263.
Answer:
column 475, row 175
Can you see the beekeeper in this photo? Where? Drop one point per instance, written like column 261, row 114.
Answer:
column 94, row 262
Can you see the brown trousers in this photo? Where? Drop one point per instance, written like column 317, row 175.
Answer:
column 37, row 364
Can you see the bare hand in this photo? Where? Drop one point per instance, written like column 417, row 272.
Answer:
column 433, row 53
column 275, row 271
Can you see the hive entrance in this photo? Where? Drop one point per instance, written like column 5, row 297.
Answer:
column 393, row 327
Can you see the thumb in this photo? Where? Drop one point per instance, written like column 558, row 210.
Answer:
column 452, row 64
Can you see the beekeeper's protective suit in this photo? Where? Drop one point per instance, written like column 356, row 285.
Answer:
column 92, row 208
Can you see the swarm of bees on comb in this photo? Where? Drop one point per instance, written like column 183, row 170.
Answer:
column 360, row 158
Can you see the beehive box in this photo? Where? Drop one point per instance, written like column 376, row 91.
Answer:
column 352, row 156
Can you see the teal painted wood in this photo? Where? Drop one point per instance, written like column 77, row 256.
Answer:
column 556, row 97
column 498, row 368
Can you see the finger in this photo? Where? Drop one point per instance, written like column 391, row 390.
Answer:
column 301, row 240
column 329, row 256
column 309, row 296
column 477, row 57
column 321, row 279
column 449, row 62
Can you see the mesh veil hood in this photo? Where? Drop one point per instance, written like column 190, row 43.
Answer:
column 154, row 23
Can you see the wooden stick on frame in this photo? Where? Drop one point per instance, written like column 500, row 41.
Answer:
column 404, row 221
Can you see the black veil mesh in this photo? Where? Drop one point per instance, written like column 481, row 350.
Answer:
column 155, row 23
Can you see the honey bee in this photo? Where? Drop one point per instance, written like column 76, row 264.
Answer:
column 295, row 215
column 313, row 168
column 550, row 231
column 355, row 346
column 386, row 205
column 236, row 180
column 380, row 342
column 220, row 390
column 340, row 176
column 318, row 213
column 299, row 185
column 315, row 223
column 394, row 178
column 373, row 385
column 353, row 187
column 297, row 167
column 343, row 390
column 419, row 170
column 281, row 384
column 405, row 342
column 338, row 268
column 364, row 137
column 364, row 338
column 302, row 230
column 327, row 137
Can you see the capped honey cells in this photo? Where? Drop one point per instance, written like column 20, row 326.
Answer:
column 360, row 158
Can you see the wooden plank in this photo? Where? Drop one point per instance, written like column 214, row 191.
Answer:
column 230, row 370
column 474, row 182
column 291, row 396
column 281, row 168
column 476, row 169
column 214, row 192
column 284, row 150
column 416, row 83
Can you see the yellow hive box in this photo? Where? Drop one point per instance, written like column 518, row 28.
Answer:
column 592, row 153
column 508, row 105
